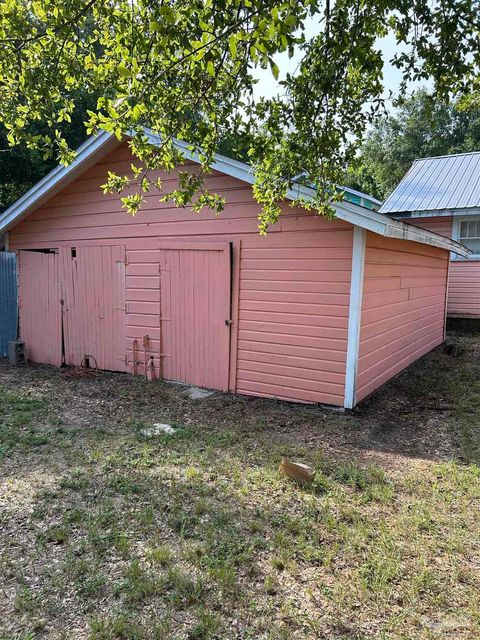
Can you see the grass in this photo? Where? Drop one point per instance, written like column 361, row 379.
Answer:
column 196, row 535
column 17, row 411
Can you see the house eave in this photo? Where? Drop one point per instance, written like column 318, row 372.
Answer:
column 98, row 146
column 436, row 213
column 88, row 154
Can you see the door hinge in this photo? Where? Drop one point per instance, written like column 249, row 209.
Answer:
column 228, row 323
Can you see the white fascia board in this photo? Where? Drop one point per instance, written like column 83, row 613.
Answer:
column 87, row 154
column 390, row 228
column 231, row 167
column 439, row 213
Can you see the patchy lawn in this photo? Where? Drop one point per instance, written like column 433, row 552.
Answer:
column 108, row 535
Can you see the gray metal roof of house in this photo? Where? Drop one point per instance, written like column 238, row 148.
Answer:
column 435, row 184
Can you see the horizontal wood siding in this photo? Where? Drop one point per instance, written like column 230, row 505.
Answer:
column 464, row 280
column 293, row 315
column 403, row 308
column 294, row 284
column 464, row 289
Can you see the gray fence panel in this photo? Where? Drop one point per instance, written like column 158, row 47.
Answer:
column 8, row 300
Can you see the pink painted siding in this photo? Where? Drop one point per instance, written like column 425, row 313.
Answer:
column 403, row 308
column 290, row 290
column 293, row 314
column 464, row 289
column 464, row 280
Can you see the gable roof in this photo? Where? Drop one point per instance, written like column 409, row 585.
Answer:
column 438, row 184
column 97, row 146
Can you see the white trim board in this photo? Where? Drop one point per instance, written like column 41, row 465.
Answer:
column 98, row 146
column 436, row 213
column 354, row 316
column 457, row 220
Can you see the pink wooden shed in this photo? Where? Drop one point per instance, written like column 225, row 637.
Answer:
column 317, row 311
column 443, row 194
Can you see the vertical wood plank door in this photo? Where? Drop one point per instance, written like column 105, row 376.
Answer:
column 195, row 284
column 94, row 306
column 40, row 309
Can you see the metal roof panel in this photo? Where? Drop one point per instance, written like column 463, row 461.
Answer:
column 436, row 184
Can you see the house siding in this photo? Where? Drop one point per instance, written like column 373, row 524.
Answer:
column 464, row 281
column 292, row 287
column 402, row 309
column 464, row 289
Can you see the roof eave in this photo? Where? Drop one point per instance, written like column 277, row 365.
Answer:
column 436, row 213
column 88, row 154
column 98, row 146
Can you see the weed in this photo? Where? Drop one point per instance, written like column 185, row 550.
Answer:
column 76, row 480
column 120, row 627
column 206, row 628
column 138, row 583
column 123, row 484
column 184, row 589
column 162, row 556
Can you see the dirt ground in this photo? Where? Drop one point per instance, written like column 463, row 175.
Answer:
column 108, row 534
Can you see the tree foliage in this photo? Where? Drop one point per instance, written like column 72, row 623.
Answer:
column 422, row 127
column 158, row 64
column 22, row 167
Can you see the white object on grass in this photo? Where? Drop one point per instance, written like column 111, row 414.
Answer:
column 157, row 429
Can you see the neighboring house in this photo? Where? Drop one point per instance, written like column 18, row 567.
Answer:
column 318, row 311
column 443, row 194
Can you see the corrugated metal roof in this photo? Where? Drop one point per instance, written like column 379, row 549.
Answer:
column 436, row 184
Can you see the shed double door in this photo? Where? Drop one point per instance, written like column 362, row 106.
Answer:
column 195, row 284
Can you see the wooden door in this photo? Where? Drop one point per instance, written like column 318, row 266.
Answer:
column 94, row 306
column 195, row 313
column 39, row 306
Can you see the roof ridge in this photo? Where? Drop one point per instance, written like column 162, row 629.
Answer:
column 448, row 155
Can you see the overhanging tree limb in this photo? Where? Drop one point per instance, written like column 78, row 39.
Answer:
column 184, row 68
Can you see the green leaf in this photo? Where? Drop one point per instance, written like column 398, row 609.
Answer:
column 274, row 68
column 123, row 71
column 232, row 45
